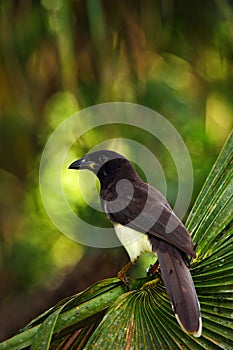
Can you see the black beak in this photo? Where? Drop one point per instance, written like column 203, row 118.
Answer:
column 83, row 164
column 77, row 164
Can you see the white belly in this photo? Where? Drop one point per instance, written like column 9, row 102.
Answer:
column 134, row 242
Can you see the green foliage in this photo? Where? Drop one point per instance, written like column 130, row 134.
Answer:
column 59, row 56
column 142, row 317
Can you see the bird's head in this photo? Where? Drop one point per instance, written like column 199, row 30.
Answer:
column 105, row 164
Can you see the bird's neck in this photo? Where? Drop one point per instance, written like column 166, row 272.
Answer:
column 112, row 185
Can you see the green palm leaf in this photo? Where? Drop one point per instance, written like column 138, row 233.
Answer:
column 107, row 316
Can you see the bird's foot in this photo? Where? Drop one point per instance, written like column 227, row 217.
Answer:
column 153, row 269
column 122, row 274
column 123, row 279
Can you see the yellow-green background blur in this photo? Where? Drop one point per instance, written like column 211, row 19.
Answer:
column 59, row 56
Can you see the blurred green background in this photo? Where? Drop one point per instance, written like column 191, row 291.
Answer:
column 59, row 56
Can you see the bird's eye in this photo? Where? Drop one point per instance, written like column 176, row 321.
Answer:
column 103, row 158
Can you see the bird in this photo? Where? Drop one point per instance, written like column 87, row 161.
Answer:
column 145, row 222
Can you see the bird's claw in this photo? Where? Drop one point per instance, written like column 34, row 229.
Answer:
column 122, row 274
column 152, row 269
column 123, row 278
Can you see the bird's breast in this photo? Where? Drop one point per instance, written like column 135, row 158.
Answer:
column 133, row 241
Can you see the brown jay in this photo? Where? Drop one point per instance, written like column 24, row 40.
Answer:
column 144, row 222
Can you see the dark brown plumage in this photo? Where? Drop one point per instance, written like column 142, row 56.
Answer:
column 144, row 221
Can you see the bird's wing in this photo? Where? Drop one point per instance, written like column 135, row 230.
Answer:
column 149, row 212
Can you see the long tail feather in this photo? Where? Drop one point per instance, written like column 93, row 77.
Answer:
column 180, row 288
